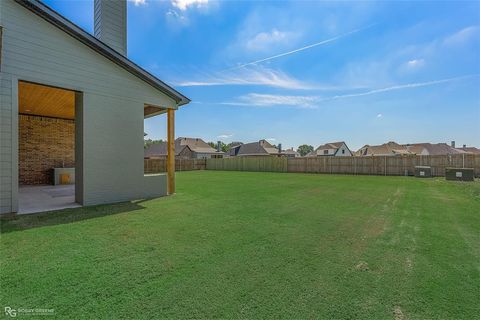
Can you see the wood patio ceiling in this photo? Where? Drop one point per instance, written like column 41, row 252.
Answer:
column 45, row 101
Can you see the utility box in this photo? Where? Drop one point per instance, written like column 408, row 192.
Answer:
column 459, row 174
column 423, row 172
column 63, row 175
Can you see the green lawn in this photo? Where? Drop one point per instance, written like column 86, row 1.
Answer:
column 256, row 245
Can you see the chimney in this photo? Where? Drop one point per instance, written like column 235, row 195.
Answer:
column 453, row 144
column 219, row 146
column 110, row 18
column 279, row 148
column 464, row 146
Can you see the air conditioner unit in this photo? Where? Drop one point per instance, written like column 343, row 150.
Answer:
column 423, row 172
column 459, row 174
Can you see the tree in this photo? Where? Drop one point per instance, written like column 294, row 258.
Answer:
column 304, row 149
column 149, row 142
column 223, row 146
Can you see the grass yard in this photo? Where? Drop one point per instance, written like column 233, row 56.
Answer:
column 256, row 245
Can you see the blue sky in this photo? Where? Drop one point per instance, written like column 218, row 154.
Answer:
column 310, row 72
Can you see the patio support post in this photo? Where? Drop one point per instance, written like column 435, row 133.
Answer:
column 171, row 151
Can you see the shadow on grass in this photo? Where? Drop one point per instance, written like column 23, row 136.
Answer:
column 15, row 222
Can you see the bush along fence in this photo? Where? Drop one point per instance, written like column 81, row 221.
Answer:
column 376, row 165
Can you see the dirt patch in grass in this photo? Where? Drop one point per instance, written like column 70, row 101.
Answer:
column 362, row 266
column 398, row 313
column 409, row 264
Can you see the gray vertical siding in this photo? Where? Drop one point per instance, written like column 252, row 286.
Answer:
column 113, row 101
column 111, row 23
column 6, row 143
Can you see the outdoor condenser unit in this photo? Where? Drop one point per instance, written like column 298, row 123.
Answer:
column 423, row 172
column 459, row 174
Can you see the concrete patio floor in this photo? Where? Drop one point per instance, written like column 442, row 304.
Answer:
column 33, row 199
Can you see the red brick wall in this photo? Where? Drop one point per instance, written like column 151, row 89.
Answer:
column 43, row 144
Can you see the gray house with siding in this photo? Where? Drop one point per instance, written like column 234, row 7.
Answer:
column 63, row 83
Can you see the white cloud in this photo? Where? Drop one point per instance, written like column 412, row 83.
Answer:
column 248, row 76
column 298, row 50
column 185, row 4
column 415, row 63
column 272, row 100
column 409, row 66
column 139, row 2
column 225, row 136
column 271, row 139
column 379, row 115
column 462, row 36
column 312, row 102
column 265, row 40
column 175, row 15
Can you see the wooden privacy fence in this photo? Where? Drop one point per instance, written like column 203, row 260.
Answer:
column 272, row 164
column 377, row 165
column 160, row 165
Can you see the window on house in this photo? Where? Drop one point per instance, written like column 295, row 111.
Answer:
column 343, row 151
column 325, row 151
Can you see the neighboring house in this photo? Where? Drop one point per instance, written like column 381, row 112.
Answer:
column 432, row 149
column 387, row 149
column 334, row 149
column 159, row 151
column 470, row 150
column 233, row 151
column 260, row 148
column 185, row 148
column 392, row 149
column 55, row 75
column 290, row 153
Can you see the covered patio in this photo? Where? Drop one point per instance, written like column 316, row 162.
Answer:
column 34, row 199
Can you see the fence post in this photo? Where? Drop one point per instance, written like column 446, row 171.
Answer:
column 385, row 166
column 355, row 165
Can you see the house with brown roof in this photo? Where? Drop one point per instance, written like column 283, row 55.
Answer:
column 387, row 149
column 259, row 148
column 290, row 153
column 432, row 149
column 332, row 149
column 394, row 149
column 470, row 150
column 185, row 148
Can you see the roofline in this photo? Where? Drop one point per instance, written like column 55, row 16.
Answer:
column 86, row 38
column 343, row 142
column 208, row 152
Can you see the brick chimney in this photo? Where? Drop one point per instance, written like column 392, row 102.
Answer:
column 110, row 18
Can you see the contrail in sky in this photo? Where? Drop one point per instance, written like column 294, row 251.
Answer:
column 399, row 87
column 299, row 49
